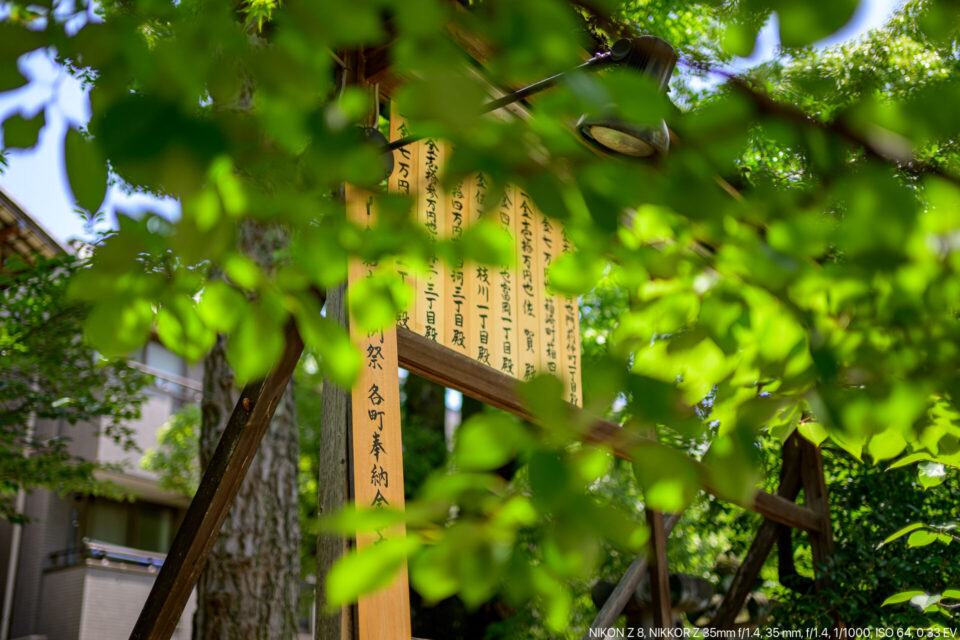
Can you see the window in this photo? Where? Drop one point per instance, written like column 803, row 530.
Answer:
column 139, row 525
column 163, row 361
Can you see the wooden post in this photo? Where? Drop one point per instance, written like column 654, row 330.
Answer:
column 377, row 447
column 659, row 576
column 749, row 570
column 625, row 589
column 334, row 484
column 815, row 497
column 218, row 487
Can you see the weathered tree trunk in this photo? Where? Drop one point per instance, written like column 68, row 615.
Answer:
column 250, row 586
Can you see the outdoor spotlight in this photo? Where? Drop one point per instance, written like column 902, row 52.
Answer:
column 655, row 58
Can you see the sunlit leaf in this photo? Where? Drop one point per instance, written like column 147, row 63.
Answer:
column 903, row 596
column 366, row 570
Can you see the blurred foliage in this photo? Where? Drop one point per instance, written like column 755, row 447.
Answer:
column 791, row 264
column 176, row 459
column 869, row 504
column 50, row 378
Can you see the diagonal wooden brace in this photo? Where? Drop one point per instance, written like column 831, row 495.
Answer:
column 625, row 589
column 749, row 570
column 219, row 486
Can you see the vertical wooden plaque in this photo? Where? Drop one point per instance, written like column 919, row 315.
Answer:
column 570, row 338
column 480, row 280
column 529, row 288
column 377, row 449
column 403, row 180
column 457, row 312
column 549, row 244
column 431, row 210
column 505, row 295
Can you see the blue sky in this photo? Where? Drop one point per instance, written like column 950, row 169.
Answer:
column 36, row 178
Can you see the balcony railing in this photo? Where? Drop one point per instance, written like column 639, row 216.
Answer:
column 93, row 552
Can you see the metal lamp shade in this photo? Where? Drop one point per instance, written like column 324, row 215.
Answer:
column 652, row 57
column 621, row 138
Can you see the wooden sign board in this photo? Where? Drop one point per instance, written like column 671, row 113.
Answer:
column 377, row 448
column 502, row 316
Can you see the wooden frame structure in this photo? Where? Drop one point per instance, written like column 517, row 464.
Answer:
column 191, row 546
column 802, row 468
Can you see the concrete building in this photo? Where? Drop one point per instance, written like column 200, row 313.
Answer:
column 84, row 565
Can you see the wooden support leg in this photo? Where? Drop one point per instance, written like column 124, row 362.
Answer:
column 334, row 485
column 786, row 569
column 815, row 496
column 218, row 487
column 625, row 589
column 749, row 570
column 659, row 578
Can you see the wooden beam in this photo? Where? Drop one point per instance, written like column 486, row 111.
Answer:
column 749, row 570
column 659, row 576
column 218, row 487
column 437, row 363
column 627, row 586
column 815, row 497
column 334, row 484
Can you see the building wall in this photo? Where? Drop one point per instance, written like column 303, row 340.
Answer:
column 61, row 599
column 113, row 598
column 88, row 602
column 154, row 412
column 103, row 602
column 48, row 530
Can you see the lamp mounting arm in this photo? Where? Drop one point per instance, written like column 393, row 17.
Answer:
column 600, row 59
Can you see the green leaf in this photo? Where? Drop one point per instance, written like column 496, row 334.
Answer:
column 902, row 532
column 488, row 441
column 182, row 331
column 574, row 273
column 433, row 574
column 803, row 22
column 886, row 444
column 549, row 479
column 321, row 256
column 256, row 344
column 349, row 521
column 925, row 602
column 19, row 133
column 340, row 359
column 221, row 306
column 739, row 39
column 931, row 474
column 670, row 479
column 732, row 467
column 813, row 431
column 903, row 596
column 375, row 301
column 850, row 443
column 907, row 460
column 117, row 326
column 488, row 243
column 242, row 270
column 367, row 570
column 951, row 593
column 922, row 538
column 86, row 170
